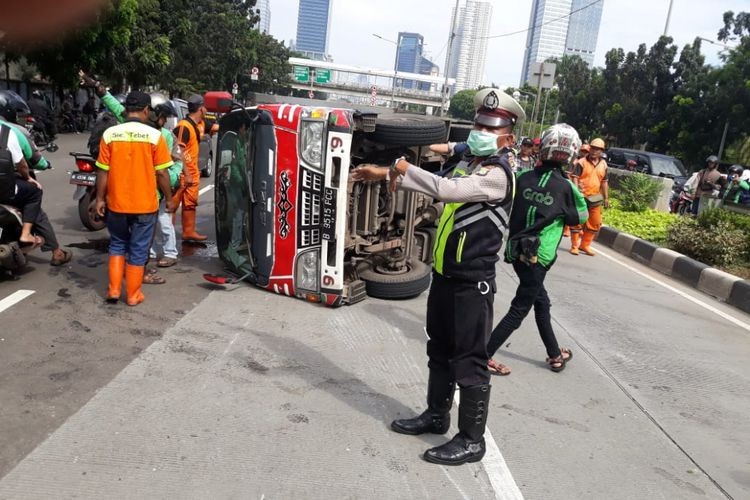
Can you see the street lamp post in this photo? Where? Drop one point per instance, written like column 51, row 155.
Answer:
column 516, row 95
column 544, row 111
column 395, row 69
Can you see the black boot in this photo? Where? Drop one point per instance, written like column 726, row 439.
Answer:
column 436, row 419
column 468, row 444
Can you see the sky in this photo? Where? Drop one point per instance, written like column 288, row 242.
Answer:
column 625, row 23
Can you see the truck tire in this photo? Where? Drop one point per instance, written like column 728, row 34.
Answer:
column 404, row 131
column 397, row 286
column 459, row 133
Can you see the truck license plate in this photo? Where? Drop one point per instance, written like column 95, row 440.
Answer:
column 83, row 179
column 329, row 214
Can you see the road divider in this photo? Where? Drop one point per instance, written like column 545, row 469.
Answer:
column 14, row 298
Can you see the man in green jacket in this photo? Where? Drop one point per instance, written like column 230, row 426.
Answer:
column 545, row 201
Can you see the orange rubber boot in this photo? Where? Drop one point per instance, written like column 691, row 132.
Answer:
column 133, row 282
column 116, row 270
column 188, row 227
column 588, row 237
column 575, row 241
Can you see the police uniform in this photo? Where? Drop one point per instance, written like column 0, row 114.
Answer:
column 478, row 194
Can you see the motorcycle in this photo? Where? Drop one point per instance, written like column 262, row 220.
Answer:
column 681, row 203
column 39, row 135
column 12, row 258
column 85, row 181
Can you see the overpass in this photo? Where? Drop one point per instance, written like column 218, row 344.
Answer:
column 358, row 82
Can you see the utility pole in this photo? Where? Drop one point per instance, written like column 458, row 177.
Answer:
column 444, row 93
column 669, row 16
column 538, row 95
column 723, row 138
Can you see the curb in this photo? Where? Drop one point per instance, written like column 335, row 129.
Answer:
column 724, row 286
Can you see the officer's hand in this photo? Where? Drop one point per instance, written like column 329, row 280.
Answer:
column 369, row 172
column 101, row 206
column 606, row 203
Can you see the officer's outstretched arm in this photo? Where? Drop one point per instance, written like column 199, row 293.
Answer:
column 489, row 184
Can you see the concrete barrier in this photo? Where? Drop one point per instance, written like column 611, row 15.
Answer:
column 664, row 259
column 624, row 243
column 717, row 283
column 688, row 270
column 739, row 297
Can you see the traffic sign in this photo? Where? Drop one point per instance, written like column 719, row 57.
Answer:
column 311, row 94
column 373, row 95
column 302, row 74
column 254, row 70
column 235, row 86
column 322, row 75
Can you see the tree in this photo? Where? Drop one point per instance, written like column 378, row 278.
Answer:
column 462, row 104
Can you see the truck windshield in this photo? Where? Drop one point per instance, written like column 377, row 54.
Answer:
column 234, row 204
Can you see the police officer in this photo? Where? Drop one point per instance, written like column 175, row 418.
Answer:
column 478, row 193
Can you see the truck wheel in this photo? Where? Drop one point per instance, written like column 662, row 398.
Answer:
column 408, row 131
column 397, row 286
column 87, row 213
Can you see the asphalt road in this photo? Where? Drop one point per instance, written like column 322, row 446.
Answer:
column 244, row 394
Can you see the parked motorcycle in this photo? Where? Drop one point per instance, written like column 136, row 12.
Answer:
column 85, row 181
column 12, row 258
column 39, row 134
column 681, row 202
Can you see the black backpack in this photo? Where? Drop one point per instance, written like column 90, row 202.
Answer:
column 7, row 167
column 97, row 131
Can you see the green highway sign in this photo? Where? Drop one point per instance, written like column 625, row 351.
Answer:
column 302, row 74
column 322, row 75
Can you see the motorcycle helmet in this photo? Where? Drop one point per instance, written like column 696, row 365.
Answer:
column 712, row 159
column 735, row 170
column 161, row 106
column 11, row 104
column 559, row 143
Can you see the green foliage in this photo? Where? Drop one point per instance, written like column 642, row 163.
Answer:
column 713, row 217
column 637, row 192
column 720, row 244
column 649, row 225
column 462, row 104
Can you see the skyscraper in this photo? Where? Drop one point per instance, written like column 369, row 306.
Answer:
column 553, row 31
column 264, row 11
column 410, row 59
column 313, row 28
column 469, row 48
column 583, row 30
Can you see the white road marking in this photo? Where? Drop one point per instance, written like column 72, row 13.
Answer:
column 205, row 189
column 689, row 297
column 14, row 298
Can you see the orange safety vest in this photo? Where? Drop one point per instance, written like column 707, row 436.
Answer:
column 591, row 176
column 189, row 138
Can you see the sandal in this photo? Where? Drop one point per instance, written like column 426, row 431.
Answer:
column 166, row 262
column 66, row 256
column 496, row 368
column 151, row 278
column 558, row 364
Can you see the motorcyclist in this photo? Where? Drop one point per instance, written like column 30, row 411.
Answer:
column 11, row 105
column 42, row 114
column 738, row 190
column 709, row 180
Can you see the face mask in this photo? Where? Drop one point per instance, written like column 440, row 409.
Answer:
column 482, row 143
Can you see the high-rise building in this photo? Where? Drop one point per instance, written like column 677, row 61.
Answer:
column 583, row 29
column 313, row 28
column 410, row 59
column 263, row 7
column 553, row 31
column 469, row 47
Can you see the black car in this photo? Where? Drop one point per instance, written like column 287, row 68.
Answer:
column 647, row 162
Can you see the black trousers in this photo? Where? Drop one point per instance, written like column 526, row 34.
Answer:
column 43, row 227
column 530, row 293
column 459, row 318
column 28, row 200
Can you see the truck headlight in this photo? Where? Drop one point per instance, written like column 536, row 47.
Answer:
column 311, row 142
column 307, row 272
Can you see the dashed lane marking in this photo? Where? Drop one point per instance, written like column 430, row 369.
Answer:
column 206, row 189
column 14, row 298
column 687, row 296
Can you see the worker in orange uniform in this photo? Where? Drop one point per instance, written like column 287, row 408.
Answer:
column 189, row 133
column 590, row 174
column 582, row 153
column 133, row 159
